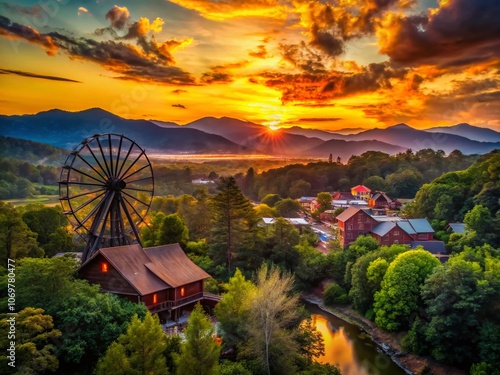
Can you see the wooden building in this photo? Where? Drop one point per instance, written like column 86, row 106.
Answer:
column 162, row 277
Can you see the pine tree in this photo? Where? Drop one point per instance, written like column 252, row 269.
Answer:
column 138, row 351
column 200, row 353
column 234, row 224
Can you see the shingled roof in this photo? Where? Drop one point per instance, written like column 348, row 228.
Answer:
column 172, row 265
column 152, row 269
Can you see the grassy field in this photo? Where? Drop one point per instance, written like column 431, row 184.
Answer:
column 48, row 200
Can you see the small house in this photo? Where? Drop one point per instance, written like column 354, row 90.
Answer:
column 361, row 192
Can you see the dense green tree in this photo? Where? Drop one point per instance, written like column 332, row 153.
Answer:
column 199, row 353
column 367, row 274
column 90, row 322
column 16, row 239
column 273, row 308
column 299, row 188
column 173, row 230
column 233, row 368
column 288, row 208
column 35, row 335
column 281, row 239
column 452, row 295
column 44, row 282
column 334, row 294
column 263, row 210
column 484, row 369
column 165, row 204
column 479, row 220
column 375, row 183
column 310, row 341
column 150, row 233
column 489, row 342
column 196, row 214
column 60, row 241
column 234, row 226
column 324, row 200
column 233, row 311
column 311, row 266
column 43, row 221
column 271, row 199
column 320, row 369
column 399, row 296
column 361, row 246
column 460, row 301
column 404, row 184
column 138, row 351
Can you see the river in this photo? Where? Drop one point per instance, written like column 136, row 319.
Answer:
column 348, row 347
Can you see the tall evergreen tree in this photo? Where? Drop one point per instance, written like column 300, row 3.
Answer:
column 173, row 230
column 234, row 226
column 200, row 353
column 139, row 351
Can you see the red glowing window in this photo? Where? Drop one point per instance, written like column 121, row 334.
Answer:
column 155, row 298
column 104, row 267
column 182, row 292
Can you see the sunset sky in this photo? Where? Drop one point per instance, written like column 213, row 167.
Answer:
column 318, row 64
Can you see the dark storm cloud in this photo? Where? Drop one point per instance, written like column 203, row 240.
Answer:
column 34, row 75
column 461, row 33
column 178, row 106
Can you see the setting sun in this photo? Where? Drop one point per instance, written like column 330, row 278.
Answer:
column 274, row 125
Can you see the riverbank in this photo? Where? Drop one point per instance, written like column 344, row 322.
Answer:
column 388, row 342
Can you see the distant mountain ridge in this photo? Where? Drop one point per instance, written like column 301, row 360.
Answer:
column 228, row 135
column 67, row 129
column 474, row 133
column 408, row 137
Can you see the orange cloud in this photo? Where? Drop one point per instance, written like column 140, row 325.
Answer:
column 13, row 30
column 226, row 9
column 149, row 61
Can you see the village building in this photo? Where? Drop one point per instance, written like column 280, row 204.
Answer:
column 387, row 230
column 343, row 195
column 361, row 192
column 298, row 223
column 456, row 228
column 308, row 203
column 381, row 200
column 437, row 248
column 163, row 277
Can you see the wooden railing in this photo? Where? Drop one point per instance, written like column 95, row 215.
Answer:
column 166, row 305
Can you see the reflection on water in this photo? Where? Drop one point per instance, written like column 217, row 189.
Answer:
column 349, row 348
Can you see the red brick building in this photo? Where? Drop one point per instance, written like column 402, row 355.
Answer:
column 355, row 222
column 352, row 223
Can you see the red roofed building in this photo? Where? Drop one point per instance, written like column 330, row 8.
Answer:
column 162, row 277
column 387, row 230
column 361, row 192
column 352, row 223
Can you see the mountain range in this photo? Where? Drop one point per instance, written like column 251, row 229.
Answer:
column 228, row 135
